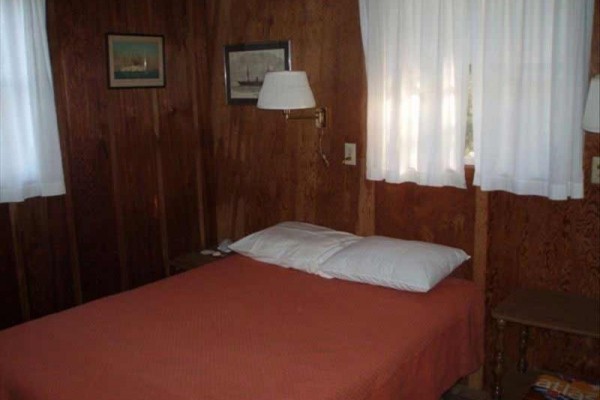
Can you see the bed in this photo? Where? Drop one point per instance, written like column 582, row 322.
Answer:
column 244, row 329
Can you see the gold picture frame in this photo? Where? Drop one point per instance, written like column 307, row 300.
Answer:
column 135, row 61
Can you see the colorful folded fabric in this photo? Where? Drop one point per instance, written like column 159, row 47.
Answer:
column 556, row 387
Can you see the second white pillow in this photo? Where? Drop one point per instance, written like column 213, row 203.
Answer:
column 400, row 264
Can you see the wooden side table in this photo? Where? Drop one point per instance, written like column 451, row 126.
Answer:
column 541, row 309
column 192, row 260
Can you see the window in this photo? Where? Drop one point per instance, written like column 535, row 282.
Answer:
column 30, row 163
column 454, row 78
column 417, row 56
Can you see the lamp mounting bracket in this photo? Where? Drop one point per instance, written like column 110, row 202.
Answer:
column 319, row 116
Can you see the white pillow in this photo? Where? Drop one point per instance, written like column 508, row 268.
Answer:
column 400, row 264
column 295, row 245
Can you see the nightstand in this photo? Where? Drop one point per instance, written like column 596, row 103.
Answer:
column 541, row 309
column 188, row 261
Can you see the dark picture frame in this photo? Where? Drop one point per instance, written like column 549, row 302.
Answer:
column 135, row 61
column 247, row 64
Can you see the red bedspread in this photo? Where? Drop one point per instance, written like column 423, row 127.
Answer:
column 240, row 329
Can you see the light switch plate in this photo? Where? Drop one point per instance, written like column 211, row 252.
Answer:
column 350, row 153
column 596, row 170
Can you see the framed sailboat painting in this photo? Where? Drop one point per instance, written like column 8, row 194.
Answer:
column 135, row 61
column 246, row 66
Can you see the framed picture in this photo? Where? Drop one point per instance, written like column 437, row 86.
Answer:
column 135, row 61
column 246, row 66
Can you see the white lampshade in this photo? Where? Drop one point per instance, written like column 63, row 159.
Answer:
column 591, row 116
column 285, row 90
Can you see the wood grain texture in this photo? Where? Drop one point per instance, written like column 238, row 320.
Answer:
column 481, row 242
column 40, row 257
column 145, row 142
column 10, row 311
column 61, row 103
column 268, row 170
column 133, row 153
column 439, row 215
column 44, row 255
column 133, row 161
column 19, row 264
column 595, row 54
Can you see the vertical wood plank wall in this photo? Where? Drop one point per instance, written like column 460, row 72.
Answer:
column 133, row 163
column 267, row 171
column 155, row 172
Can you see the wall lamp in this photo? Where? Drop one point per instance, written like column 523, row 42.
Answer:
column 287, row 91
column 591, row 116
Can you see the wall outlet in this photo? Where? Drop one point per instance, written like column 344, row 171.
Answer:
column 350, row 153
column 596, row 170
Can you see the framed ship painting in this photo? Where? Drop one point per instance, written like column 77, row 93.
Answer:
column 135, row 61
column 246, row 66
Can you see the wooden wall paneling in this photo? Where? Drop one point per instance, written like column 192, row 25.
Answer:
column 61, row 110
column 595, row 53
column 162, row 210
column 41, row 240
column 481, row 238
column 81, row 65
column 19, row 263
column 440, row 215
column 137, row 185
column 10, row 309
column 224, row 121
column 307, row 52
column 480, row 261
column 280, row 180
column 33, row 236
column 180, row 129
column 228, row 166
column 131, row 157
column 199, row 50
column 269, row 170
column 109, row 142
column 342, row 85
column 536, row 242
column 127, row 108
column 65, row 288
column 16, row 269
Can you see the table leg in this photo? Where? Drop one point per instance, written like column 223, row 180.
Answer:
column 498, row 370
column 522, row 366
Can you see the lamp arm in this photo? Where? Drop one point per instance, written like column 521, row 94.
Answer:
column 319, row 115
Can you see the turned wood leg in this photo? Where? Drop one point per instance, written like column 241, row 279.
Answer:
column 522, row 366
column 499, row 368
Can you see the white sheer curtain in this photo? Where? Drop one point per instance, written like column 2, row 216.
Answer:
column 417, row 56
column 30, row 161
column 530, row 74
